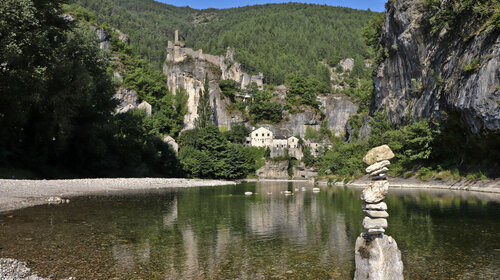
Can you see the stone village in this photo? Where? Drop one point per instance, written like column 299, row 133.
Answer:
column 279, row 145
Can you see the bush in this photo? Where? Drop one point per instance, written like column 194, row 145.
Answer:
column 263, row 109
column 473, row 66
column 304, row 91
column 229, row 88
column 205, row 153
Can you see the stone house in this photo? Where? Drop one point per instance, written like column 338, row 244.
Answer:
column 261, row 137
column 316, row 147
column 293, row 142
column 278, row 147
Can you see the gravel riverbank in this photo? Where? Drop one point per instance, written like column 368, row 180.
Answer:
column 16, row 194
column 489, row 186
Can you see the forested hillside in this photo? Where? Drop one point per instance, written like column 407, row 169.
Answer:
column 56, row 106
column 276, row 39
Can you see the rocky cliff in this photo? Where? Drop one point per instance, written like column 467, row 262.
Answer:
column 274, row 170
column 186, row 68
column 428, row 74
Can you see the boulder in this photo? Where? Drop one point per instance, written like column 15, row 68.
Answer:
column 379, row 153
column 374, row 206
column 375, row 192
column 377, row 166
column 377, row 258
column 376, row 213
column 370, row 223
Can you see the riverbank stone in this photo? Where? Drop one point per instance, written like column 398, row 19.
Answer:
column 376, row 214
column 369, row 223
column 377, row 166
column 377, row 258
column 377, row 154
column 375, row 192
column 14, row 269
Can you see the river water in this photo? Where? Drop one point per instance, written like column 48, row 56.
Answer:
column 219, row 233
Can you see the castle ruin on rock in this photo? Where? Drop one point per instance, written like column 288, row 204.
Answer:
column 186, row 68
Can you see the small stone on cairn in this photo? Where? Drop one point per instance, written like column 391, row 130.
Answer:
column 375, row 221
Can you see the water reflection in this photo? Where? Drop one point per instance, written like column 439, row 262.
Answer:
column 219, row 233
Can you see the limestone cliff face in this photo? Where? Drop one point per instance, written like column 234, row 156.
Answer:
column 274, row 170
column 426, row 75
column 338, row 108
column 186, row 68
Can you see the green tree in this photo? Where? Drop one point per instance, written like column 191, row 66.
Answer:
column 56, row 101
column 302, row 90
column 204, row 110
column 205, row 153
column 229, row 88
column 261, row 108
column 237, row 134
column 308, row 159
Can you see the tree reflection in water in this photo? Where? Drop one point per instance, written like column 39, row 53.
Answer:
column 219, row 233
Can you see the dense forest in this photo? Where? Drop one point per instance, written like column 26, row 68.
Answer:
column 274, row 39
column 56, row 105
column 57, row 110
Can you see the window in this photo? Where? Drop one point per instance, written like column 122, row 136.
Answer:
column 256, row 134
column 268, row 134
column 262, row 134
column 293, row 140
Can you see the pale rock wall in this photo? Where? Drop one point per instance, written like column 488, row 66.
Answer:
column 186, row 68
column 424, row 75
column 274, row 170
column 338, row 110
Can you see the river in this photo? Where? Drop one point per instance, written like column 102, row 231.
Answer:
column 220, row 233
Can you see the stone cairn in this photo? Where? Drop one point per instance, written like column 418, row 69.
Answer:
column 374, row 207
column 377, row 255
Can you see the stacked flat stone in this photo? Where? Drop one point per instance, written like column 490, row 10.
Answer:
column 374, row 207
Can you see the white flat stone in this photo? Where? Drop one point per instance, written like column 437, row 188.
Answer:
column 374, row 206
column 376, row 213
column 379, row 171
column 376, row 231
column 369, row 223
column 377, row 166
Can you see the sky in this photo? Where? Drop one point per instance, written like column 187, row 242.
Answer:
column 374, row 5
